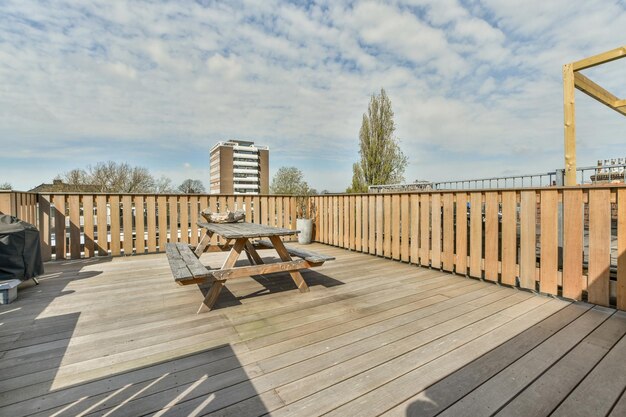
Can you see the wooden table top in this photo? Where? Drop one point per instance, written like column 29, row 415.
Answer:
column 247, row 230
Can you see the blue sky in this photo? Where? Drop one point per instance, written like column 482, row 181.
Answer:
column 476, row 85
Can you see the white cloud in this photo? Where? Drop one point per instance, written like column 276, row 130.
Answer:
column 159, row 82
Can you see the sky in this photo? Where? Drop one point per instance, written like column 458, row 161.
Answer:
column 476, row 86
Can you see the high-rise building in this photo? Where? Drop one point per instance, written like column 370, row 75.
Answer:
column 239, row 167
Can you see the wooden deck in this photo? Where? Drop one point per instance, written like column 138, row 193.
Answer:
column 117, row 337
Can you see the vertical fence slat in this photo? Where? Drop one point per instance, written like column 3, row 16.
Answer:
column 425, row 230
column 286, row 215
column 435, row 219
column 264, row 211
column 44, row 226
column 151, row 221
column 621, row 249
column 528, row 244
column 395, row 226
column 415, row 224
column 293, row 211
column 248, row 203
column 346, row 222
column 193, row 219
column 127, row 224
column 371, row 244
column 491, row 236
column 256, row 213
column 358, row 242
column 549, row 242
column 173, row 204
column 323, row 218
column 272, row 211
column 386, row 226
column 379, row 225
column 74, row 203
column 59, row 225
column 280, row 212
column 101, row 217
column 365, row 223
column 352, row 220
column 204, row 203
column 476, row 234
column 599, row 246
column 461, row 234
column 405, row 218
column 448, row 232
column 140, row 230
column 340, row 231
column 114, row 203
column 183, row 209
column 509, row 237
column 573, row 244
column 162, row 221
column 335, row 219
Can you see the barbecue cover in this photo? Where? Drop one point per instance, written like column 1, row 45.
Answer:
column 20, row 249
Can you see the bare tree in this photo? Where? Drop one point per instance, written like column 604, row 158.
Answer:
column 113, row 177
column 163, row 185
column 190, row 186
column 6, row 186
column 382, row 160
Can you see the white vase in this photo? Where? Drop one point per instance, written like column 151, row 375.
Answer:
column 305, row 226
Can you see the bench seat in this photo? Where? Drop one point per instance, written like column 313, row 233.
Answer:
column 186, row 267
column 312, row 257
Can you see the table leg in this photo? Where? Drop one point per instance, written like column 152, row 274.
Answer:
column 253, row 255
column 203, row 244
column 217, row 285
column 285, row 257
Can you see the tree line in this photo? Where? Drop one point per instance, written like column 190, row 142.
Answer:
column 113, row 177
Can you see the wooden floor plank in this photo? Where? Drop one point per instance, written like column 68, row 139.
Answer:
column 117, row 337
column 439, row 396
column 499, row 390
column 550, row 389
column 594, row 395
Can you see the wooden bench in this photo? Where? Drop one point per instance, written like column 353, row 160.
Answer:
column 313, row 258
column 186, row 267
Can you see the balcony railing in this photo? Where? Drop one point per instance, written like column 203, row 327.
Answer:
column 569, row 242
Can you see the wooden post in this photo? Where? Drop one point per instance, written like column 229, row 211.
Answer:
column 569, row 113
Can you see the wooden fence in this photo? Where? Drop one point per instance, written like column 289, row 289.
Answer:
column 556, row 241
column 561, row 241
column 126, row 224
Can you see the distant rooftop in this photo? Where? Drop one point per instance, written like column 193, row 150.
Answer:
column 237, row 142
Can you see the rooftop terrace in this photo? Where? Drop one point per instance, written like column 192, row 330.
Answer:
column 115, row 337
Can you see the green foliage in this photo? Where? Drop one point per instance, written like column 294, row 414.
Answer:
column 290, row 181
column 382, row 160
column 6, row 186
column 190, row 186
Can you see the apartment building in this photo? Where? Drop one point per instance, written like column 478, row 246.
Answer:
column 239, row 167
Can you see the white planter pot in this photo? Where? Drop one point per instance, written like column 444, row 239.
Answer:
column 305, row 226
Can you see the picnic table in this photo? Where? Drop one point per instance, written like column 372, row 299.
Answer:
column 235, row 239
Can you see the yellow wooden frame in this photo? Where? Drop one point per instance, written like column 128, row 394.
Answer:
column 573, row 79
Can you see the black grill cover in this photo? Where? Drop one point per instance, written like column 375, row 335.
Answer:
column 20, row 249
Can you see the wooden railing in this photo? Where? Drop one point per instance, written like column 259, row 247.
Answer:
column 562, row 241
column 126, row 224
column 558, row 241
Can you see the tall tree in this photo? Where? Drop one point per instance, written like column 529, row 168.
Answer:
column 290, row 181
column 382, row 160
column 190, row 186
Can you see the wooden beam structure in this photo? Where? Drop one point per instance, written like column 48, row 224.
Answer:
column 572, row 79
